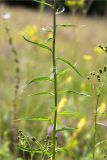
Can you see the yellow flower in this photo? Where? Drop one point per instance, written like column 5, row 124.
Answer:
column 62, row 103
column 102, row 107
column 82, row 85
column 87, row 57
column 80, row 126
column 30, row 31
column 71, row 3
column 72, row 144
column 98, row 50
column 81, row 3
column 50, row 35
column 81, row 123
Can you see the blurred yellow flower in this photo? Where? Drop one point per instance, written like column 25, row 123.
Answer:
column 74, row 3
column 102, row 107
column 71, row 3
column 87, row 57
column 50, row 35
column 81, row 3
column 72, row 144
column 80, row 126
column 68, row 80
column 82, row 85
column 62, row 103
column 81, row 123
column 31, row 32
column 98, row 50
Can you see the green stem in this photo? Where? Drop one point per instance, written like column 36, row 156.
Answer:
column 95, row 127
column 55, row 81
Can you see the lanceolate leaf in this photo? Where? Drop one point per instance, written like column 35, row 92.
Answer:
column 39, row 79
column 76, row 114
column 64, row 25
column 71, row 65
column 61, row 149
column 34, row 119
column 65, row 129
column 69, row 25
column 72, row 92
column 44, row 3
column 63, row 72
column 42, row 93
column 39, row 44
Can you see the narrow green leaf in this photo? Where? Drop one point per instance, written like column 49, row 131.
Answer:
column 44, row 3
column 76, row 114
column 71, row 65
column 39, row 79
column 101, row 142
column 61, row 149
column 33, row 119
column 29, row 149
column 64, row 25
column 63, row 72
column 38, row 44
column 42, row 93
column 73, row 92
column 69, row 25
column 65, row 129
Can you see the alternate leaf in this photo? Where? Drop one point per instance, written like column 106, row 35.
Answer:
column 39, row 79
column 73, row 92
column 39, row 44
column 101, row 142
column 42, row 93
column 66, row 25
column 76, row 114
column 65, row 129
column 34, row 119
column 63, row 72
column 69, row 25
column 44, row 3
column 70, row 64
column 61, row 149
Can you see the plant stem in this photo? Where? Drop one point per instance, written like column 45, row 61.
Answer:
column 95, row 126
column 55, row 81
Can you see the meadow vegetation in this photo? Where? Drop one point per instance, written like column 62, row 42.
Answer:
column 82, row 103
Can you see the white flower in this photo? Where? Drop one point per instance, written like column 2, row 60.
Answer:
column 6, row 16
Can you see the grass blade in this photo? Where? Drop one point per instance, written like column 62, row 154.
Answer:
column 69, row 25
column 33, row 119
column 76, row 114
column 73, row 92
column 44, row 3
column 71, row 65
column 42, row 93
column 65, row 129
column 39, row 79
column 38, row 44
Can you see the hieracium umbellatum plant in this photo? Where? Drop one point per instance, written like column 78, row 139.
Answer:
column 51, row 148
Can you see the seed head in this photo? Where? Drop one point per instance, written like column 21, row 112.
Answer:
column 105, row 68
column 33, row 139
column 100, row 70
